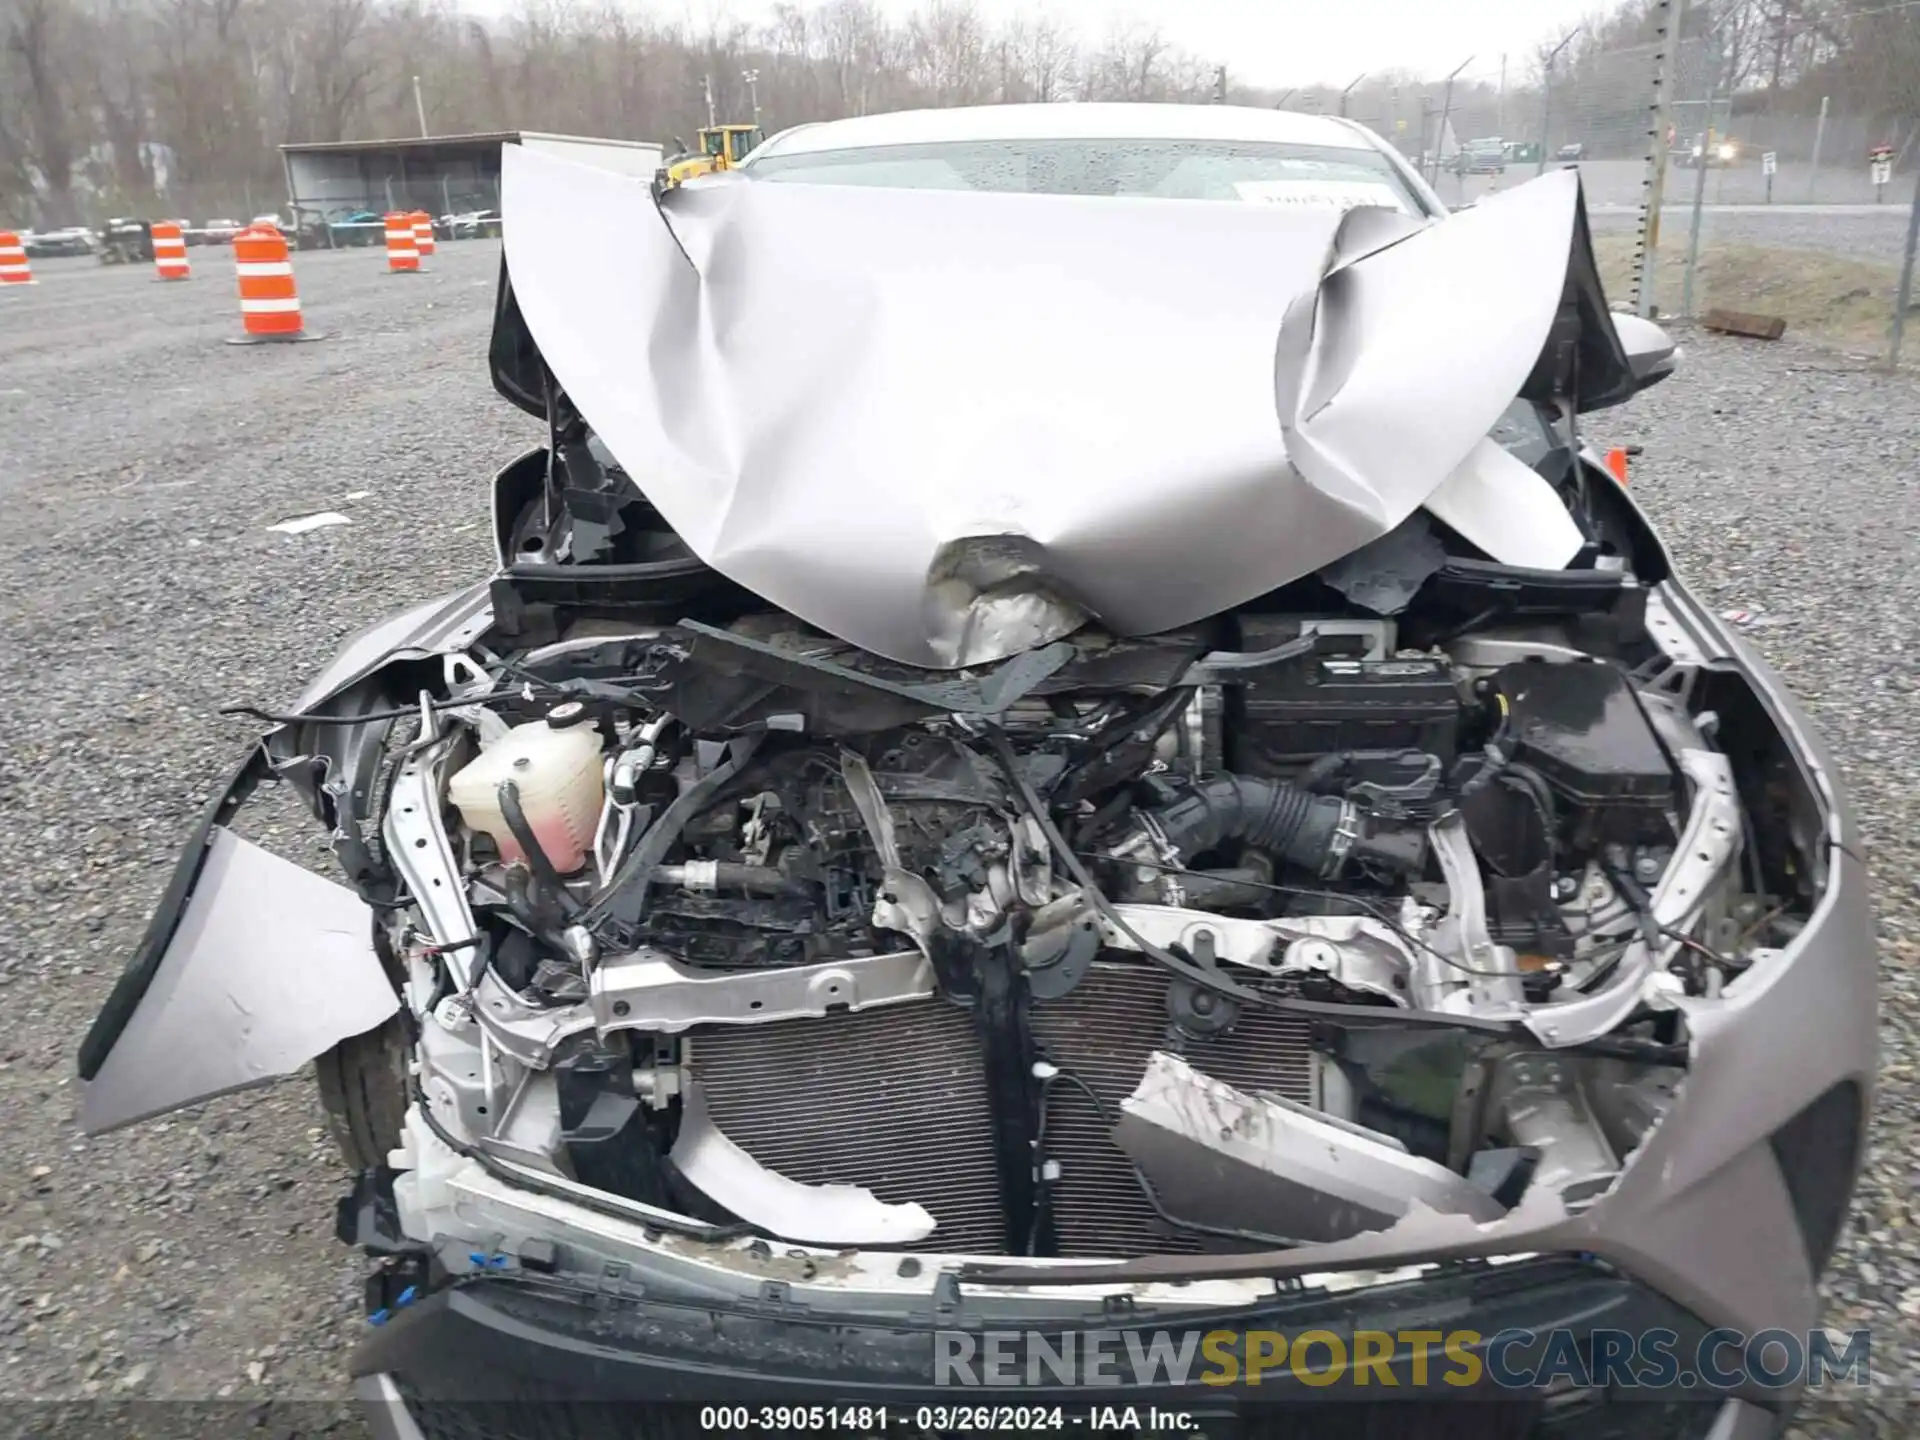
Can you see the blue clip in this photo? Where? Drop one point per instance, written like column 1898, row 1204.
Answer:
column 379, row 1317
column 406, row 1297
column 489, row 1262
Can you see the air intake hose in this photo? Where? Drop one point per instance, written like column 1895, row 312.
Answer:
column 1313, row 832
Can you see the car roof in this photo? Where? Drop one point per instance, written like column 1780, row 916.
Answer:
column 1071, row 121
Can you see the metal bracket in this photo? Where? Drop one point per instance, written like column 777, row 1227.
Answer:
column 649, row 990
column 417, row 844
column 1493, row 978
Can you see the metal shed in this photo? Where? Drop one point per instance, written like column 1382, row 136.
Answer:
column 329, row 181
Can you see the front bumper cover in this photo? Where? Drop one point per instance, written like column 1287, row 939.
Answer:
column 497, row 1356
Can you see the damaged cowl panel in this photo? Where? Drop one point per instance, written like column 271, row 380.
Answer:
column 948, row 427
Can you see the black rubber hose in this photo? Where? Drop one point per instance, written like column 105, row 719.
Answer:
column 1281, row 819
column 538, row 861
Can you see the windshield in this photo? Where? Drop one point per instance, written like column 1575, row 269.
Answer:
column 714, row 142
column 1245, row 171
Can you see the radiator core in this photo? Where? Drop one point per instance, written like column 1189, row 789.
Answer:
column 895, row 1100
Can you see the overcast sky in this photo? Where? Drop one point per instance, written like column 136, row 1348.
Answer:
column 1298, row 42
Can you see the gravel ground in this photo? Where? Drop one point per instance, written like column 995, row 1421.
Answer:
column 140, row 462
column 1778, row 475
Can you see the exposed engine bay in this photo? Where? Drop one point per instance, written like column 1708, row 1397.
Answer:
column 1260, row 933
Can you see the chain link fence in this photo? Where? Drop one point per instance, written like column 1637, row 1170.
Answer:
column 1746, row 166
column 1783, row 204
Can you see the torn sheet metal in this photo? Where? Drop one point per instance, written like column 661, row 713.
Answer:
column 1385, row 574
column 270, row 965
column 1220, row 1157
column 1512, row 512
column 947, row 427
column 805, row 1214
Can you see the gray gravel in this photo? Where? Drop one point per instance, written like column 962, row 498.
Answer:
column 1782, row 479
column 140, row 462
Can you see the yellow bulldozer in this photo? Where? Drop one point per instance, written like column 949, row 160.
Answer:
column 721, row 148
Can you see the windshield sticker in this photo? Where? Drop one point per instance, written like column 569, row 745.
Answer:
column 1319, row 194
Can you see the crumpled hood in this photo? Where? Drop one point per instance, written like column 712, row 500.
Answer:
column 949, row 426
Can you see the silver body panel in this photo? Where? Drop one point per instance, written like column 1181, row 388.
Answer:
column 269, row 966
column 949, row 427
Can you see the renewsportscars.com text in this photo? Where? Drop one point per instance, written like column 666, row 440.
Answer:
column 1461, row 1359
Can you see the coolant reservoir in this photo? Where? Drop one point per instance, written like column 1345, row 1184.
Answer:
column 556, row 767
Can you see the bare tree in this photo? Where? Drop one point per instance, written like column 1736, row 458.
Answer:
column 1043, row 56
column 104, row 103
column 947, row 53
column 40, row 45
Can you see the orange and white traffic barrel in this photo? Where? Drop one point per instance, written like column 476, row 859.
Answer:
column 14, row 269
column 170, row 252
column 403, row 248
column 269, row 305
column 423, row 234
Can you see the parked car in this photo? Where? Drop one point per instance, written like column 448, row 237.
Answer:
column 1573, row 151
column 1480, row 157
column 356, row 227
column 477, row 225
column 220, row 231
column 886, row 862
column 69, row 240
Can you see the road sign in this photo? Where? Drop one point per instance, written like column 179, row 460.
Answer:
column 1769, row 162
column 1881, row 160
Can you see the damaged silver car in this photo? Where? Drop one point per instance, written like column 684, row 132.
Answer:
column 1044, row 753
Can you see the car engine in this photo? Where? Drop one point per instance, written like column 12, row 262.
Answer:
column 1258, row 933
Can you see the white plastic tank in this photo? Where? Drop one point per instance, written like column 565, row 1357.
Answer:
column 556, row 767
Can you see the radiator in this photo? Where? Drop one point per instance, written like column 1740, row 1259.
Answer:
column 1103, row 1032
column 895, row 1100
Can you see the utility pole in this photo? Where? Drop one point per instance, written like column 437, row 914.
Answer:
column 1905, row 297
column 1819, row 138
column 420, row 107
column 1666, row 76
column 1349, row 90
column 1220, row 86
column 1546, row 97
column 706, row 82
column 1700, row 166
column 1500, row 124
column 752, row 77
column 1446, row 115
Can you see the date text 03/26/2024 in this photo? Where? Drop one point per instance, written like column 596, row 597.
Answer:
column 880, row 1420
